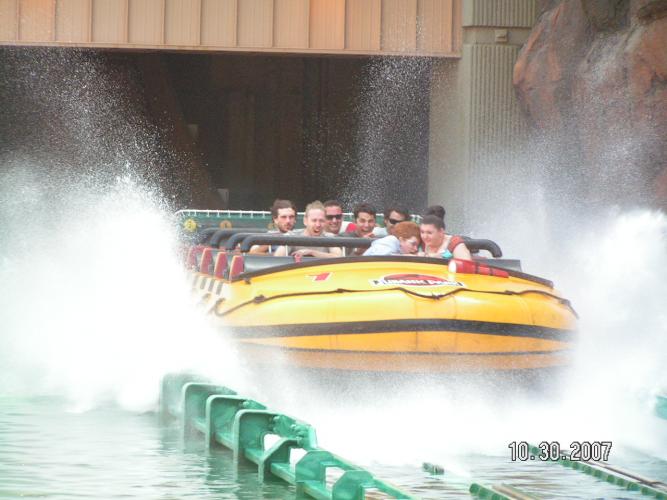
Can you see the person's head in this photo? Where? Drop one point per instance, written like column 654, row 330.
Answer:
column 432, row 231
column 313, row 218
column 408, row 235
column 437, row 210
column 364, row 218
column 393, row 216
column 283, row 213
column 333, row 213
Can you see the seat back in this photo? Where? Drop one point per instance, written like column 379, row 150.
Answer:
column 259, row 262
column 194, row 257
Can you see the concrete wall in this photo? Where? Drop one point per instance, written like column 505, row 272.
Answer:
column 476, row 125
column 374, row 27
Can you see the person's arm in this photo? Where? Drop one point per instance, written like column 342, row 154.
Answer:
column 281, row 251
column 335, row 252
column 259, row 249
column 310, row 252
column 461, row 252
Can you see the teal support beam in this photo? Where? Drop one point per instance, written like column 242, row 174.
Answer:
column 479, row 491
column 647, row 487
column 170, row 393
column 242, row 425
column 194, row 395
column 661, row 406
column 221, row 411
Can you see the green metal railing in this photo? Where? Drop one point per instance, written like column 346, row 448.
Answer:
column 242, row 425
column 196, row 220
column 661, row 406
column 613, row 475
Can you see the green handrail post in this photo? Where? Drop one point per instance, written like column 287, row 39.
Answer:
column 311, row 473
column 661, row 406
column 479, row 491
column 352, row 485
column 251, row 426
column 194, row 399
column 614, row 476
column 170, row 393
column 242, row 425
column 276, row 461
column 221, row 411
column 304, row 433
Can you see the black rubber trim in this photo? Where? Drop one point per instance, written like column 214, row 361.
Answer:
column 382, row 258
column 401, row 325
column 411, row 353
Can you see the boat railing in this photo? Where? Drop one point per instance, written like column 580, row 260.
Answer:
column 238, row 238
column 302, row 241
column 250, row 239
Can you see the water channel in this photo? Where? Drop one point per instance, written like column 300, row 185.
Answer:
column 95, row 310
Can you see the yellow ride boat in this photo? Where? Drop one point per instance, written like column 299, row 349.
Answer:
column 382, row 314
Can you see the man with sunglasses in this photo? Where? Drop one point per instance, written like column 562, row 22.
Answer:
column 333, row 215
column 392, row 216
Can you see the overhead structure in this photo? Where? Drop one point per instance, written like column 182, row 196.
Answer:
column 366, row 27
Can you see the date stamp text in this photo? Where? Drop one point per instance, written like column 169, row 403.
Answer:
column 579, row 451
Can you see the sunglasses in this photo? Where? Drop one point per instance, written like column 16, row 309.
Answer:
column 335, row 216
column 394, row 221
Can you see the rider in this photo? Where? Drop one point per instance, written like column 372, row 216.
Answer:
column 439, row 244
column 404, row 240
column 314, row 221
column 283, row 213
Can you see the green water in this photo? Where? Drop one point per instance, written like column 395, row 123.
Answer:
column 49, row 451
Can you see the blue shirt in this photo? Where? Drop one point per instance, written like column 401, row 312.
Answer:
column 389, row 245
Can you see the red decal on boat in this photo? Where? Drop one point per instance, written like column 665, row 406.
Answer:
column 414, row 280
column 319, row 277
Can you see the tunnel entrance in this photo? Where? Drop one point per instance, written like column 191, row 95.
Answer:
column 234, row 130
column 305, row 128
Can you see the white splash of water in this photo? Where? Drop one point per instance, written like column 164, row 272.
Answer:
column 95, row 306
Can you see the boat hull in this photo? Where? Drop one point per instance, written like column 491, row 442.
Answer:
column 359, row 317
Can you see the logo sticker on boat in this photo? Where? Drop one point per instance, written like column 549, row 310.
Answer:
column 319, row 277
column 413, row 280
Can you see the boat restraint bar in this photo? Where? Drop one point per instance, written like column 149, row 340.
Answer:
column 237, row 238
column 223, row 235
column 242, row 424
column 302, row 241
column 248, row 240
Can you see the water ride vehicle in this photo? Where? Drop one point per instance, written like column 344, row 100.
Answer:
column 400, row 314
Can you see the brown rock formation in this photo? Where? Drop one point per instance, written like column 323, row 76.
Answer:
column 593, row 77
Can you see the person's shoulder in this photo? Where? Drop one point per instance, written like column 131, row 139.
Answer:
column 328, row 235
column 379, row 232
column 454, row 241
column 385, row 240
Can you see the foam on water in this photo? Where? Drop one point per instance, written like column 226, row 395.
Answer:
column 95, row 304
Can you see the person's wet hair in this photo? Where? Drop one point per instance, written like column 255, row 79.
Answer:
column 316, row 205
column 365, row 208
column 433, row 220
column 333, row 203
column 278, row 204
column 407, row 229
column 399, row 210
column 437, row 210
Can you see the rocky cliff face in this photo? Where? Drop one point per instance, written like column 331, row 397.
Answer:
column 593, row 78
